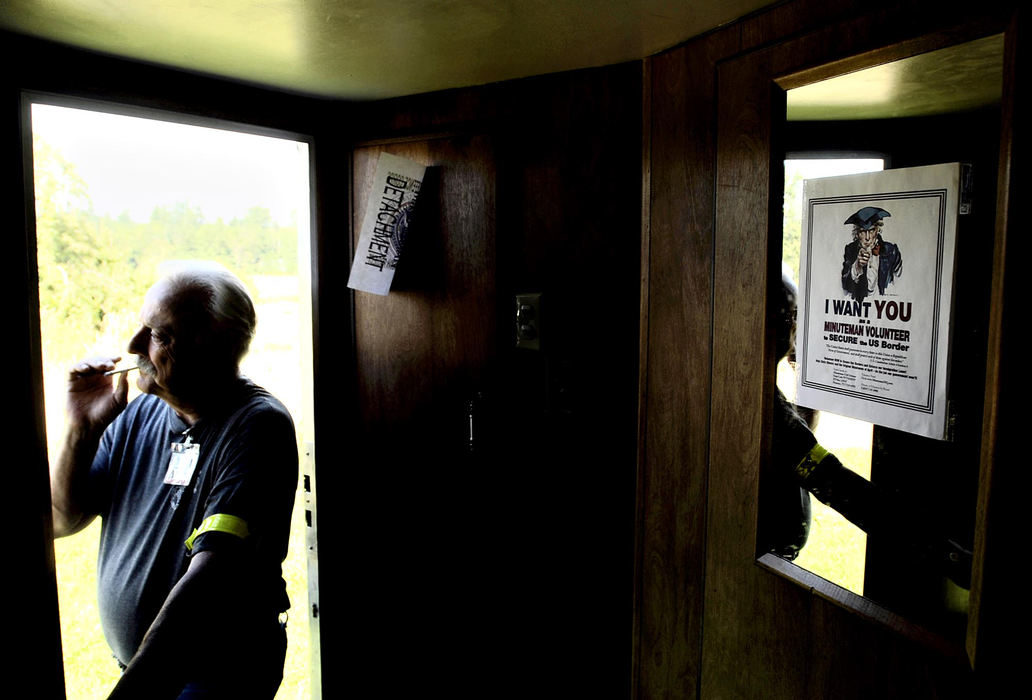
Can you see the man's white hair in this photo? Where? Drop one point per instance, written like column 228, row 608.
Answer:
column 225, row 298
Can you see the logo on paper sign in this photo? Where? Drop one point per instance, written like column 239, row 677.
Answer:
column 392, row 222
column 401, row 227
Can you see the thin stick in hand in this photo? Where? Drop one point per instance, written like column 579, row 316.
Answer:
column 120, row 371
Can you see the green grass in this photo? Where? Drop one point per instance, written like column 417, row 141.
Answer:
column 90, row 669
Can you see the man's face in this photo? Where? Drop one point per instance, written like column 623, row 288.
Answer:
column 868, row 237
column 169, row 344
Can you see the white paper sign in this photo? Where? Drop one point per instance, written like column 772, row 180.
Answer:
column 387, row 216
column 876, row 289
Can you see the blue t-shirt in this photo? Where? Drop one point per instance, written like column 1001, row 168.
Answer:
column 247, row 467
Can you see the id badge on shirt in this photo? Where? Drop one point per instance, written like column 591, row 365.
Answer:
column 184, row 461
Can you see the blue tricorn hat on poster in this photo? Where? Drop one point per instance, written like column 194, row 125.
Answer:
column 867, row 218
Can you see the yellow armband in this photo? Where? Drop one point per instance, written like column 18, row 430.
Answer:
column 219, row 522
column 810, row 461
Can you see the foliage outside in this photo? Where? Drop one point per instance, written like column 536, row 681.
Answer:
column 93, row 273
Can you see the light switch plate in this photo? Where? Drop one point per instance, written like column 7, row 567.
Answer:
column 528, row 321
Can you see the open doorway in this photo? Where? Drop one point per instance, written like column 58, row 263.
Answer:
column 115, row 196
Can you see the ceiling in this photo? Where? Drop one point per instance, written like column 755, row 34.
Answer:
column 366, row 49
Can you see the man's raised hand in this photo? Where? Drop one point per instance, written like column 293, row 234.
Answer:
column 93, row 399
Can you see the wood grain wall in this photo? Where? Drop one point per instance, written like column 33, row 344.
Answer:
column 711, row 622
column 509, row 567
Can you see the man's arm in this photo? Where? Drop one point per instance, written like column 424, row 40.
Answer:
column 174, row 641
column 91, row 406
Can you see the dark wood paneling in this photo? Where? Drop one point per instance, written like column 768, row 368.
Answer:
column 537, row 190
column 998, row 596
column 791, row 643
column 789, row 19
column 761, row 636
column 426, row 346
column 420, row 353
column 569, row 227
column 747, row 605
column 679, row 316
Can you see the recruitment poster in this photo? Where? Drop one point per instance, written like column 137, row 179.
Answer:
column 877, row 266
column 388, row 213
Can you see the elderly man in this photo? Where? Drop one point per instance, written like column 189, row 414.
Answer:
column 194, row 482
column 869, row 263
